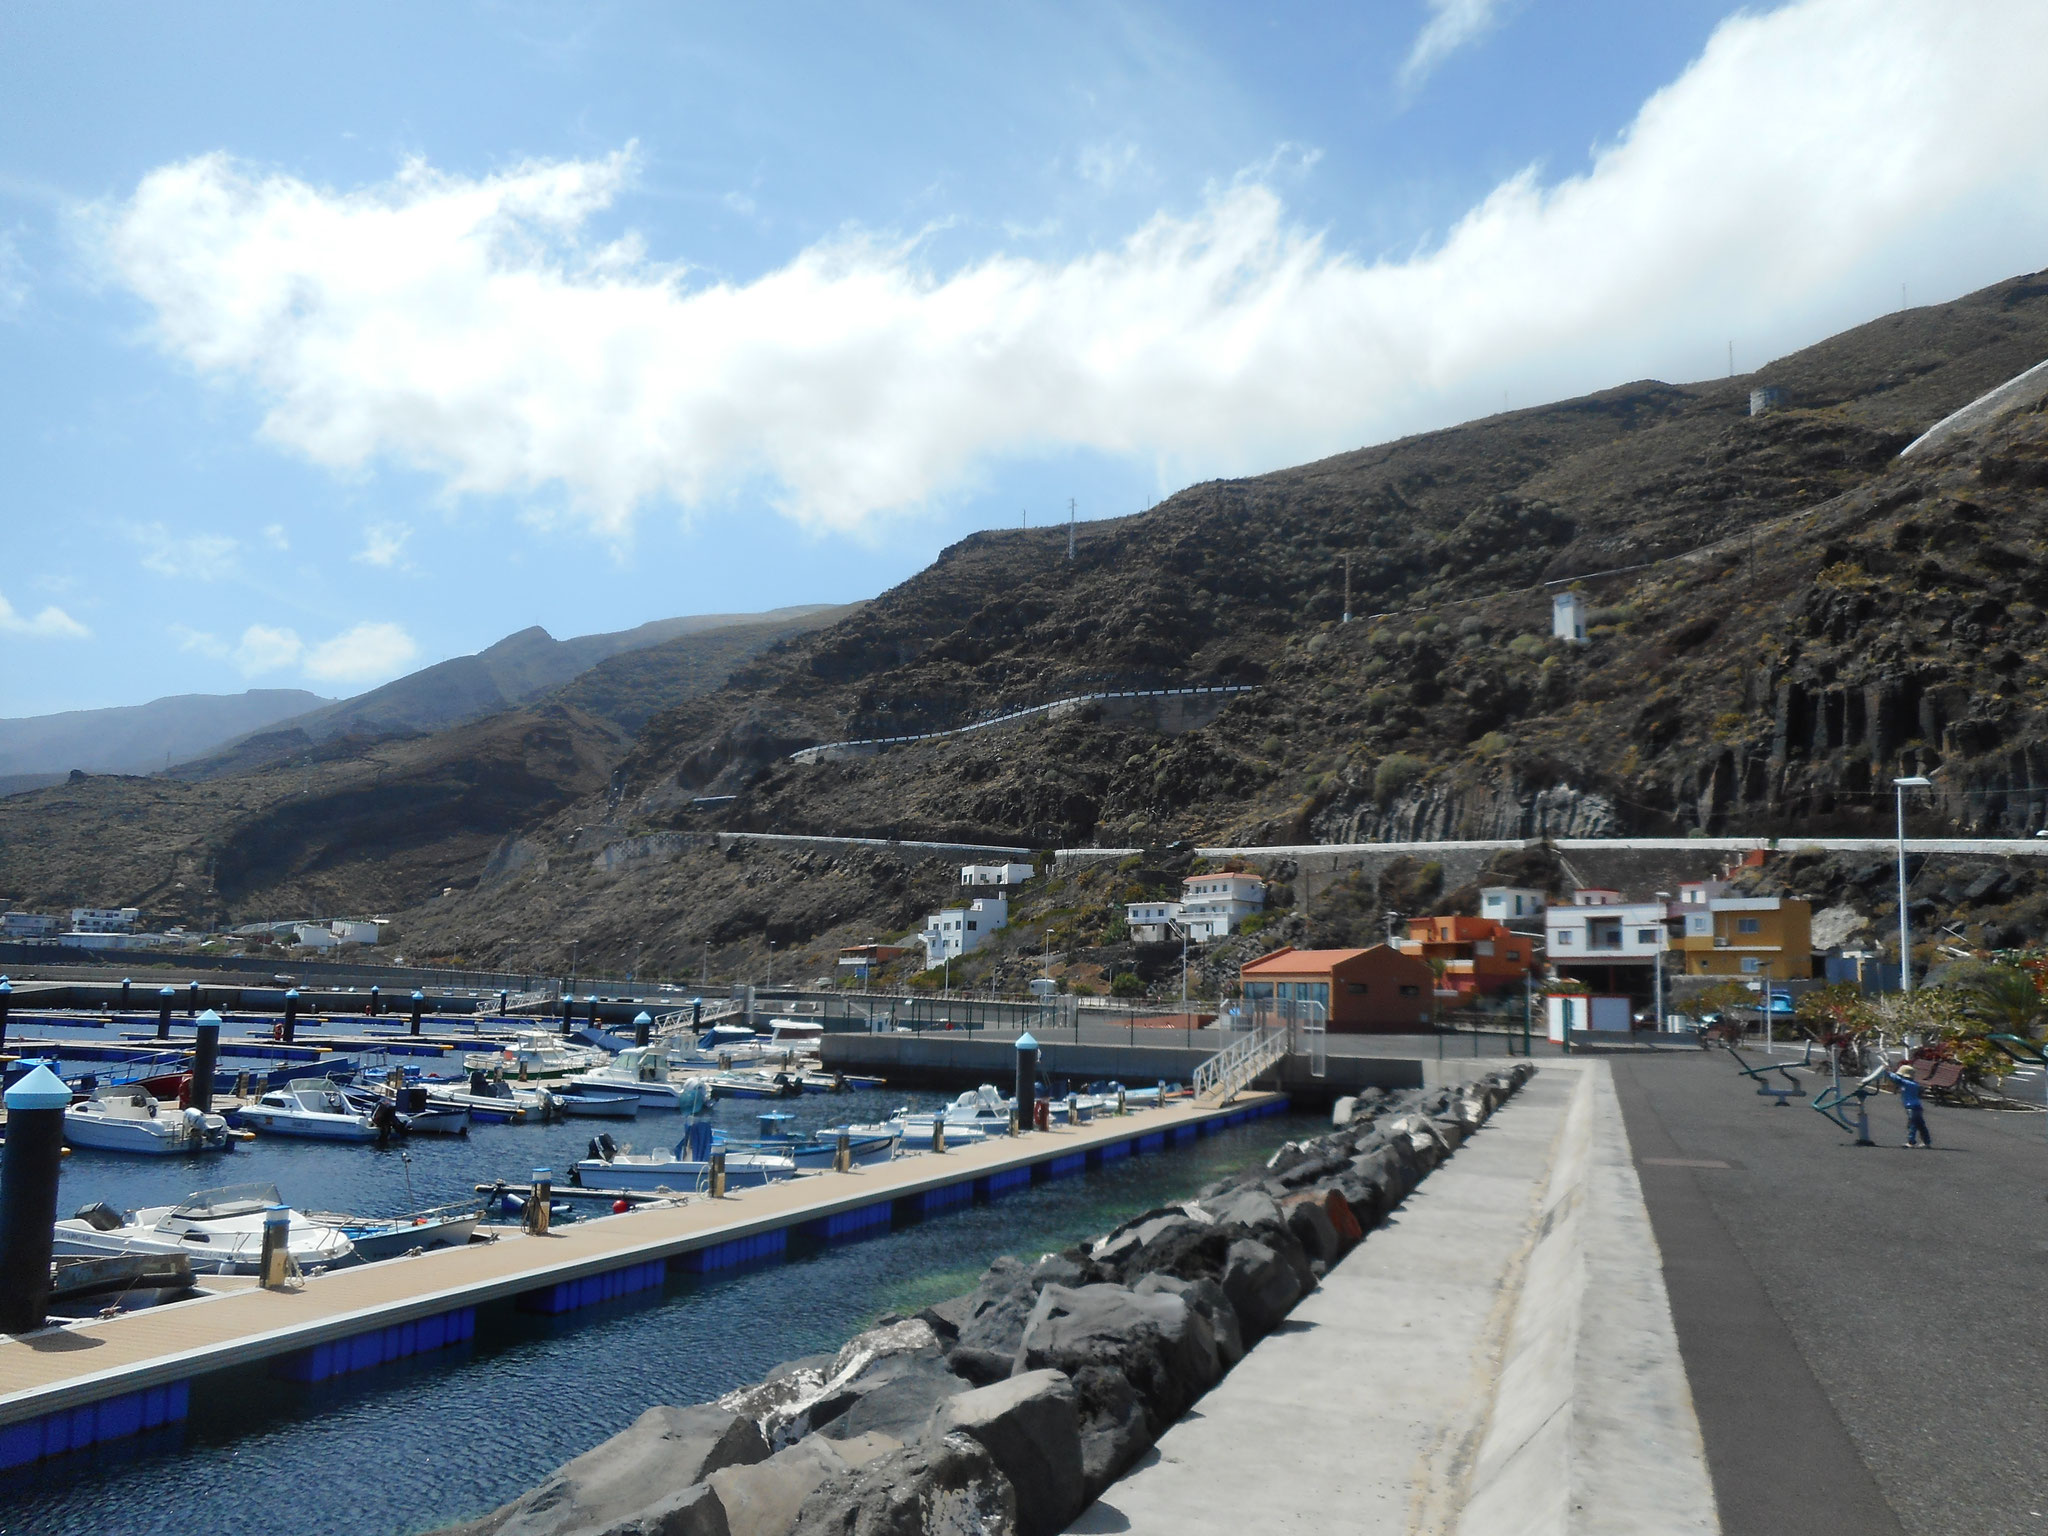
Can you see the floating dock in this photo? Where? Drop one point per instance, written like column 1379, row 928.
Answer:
column 68, row 1387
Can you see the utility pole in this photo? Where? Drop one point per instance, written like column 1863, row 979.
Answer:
column 1070, row 528
column 1347, row 589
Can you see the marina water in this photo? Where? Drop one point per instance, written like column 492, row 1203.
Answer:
column 448, row 1436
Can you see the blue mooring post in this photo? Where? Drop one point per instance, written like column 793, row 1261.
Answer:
column 643, row 1026
column 1027, row 1079
column 165, row 1001
column 418, row 1002
column 192, row 1000
column 592, row 1001
column 374, row 992
column 205, row 1053
column 125, row 985
column 28, row 1196
column 291, row 1015
column 568, row 1013
column 6, row 1002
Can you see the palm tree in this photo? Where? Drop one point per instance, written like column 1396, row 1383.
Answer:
column 2005, row 998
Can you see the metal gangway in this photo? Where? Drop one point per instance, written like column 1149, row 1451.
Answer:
column 1274, row 1031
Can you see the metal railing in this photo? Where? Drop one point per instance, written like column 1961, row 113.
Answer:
column 1234, row 1068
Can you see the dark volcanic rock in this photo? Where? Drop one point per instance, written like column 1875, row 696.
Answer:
column 945, row 1485
column 1031, row 1425
column 639, row 1475
column 763, row 1499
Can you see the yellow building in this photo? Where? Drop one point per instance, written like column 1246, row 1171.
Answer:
column 1747, row 936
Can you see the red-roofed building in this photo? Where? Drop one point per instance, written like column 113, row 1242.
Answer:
column 1365, row 990
column 1479, row 955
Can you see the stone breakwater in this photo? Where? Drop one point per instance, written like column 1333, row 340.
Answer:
column 1007, row 1411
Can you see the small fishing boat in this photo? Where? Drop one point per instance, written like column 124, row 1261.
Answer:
column 82, row 1287
column 596, row 1103
column 419, row 1112
column 638, row 1070
column 220, row 1230
column 820, row 1148
column 535, row 1056
column 755, row 1085
column 674, row 1170
column 127, row 1118
column 316, row 1113
column 388, row 1237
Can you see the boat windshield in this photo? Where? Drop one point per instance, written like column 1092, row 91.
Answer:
column 230, row 1200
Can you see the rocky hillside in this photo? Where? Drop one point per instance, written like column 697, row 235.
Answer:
column 1784, row 614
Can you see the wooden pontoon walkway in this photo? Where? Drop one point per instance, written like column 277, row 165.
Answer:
column 334, row 1322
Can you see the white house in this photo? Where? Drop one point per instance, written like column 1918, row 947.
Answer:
column 958, row 931
column 1612, row 945
column 995, row 874
column 1213, row 906
column 104, row 919
column 109, row 939
column 1151, row 922
column 1505, row 903
column 353, row 930
column 315, row 936
column 28, row 925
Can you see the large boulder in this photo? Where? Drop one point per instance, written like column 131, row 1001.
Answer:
column 637, row 1480
column 894, row 1396
column 1137, row 1361
column 762, row 1499
column 1308, row 1218
column 797, row 1398
column 996, row 1313
column 1208, row 1298
column 945, row 1485
column 947, row 1318
column 1031, row 1426
column 1262, row 1286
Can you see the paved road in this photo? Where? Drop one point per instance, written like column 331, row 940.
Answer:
column 1862, row 1327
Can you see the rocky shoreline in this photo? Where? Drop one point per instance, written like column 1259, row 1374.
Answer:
column 1010, row 1409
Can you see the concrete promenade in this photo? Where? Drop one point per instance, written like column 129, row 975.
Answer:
column 1497, row 1358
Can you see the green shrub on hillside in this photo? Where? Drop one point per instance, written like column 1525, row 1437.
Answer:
column 1397, row 771
column 1126, row 984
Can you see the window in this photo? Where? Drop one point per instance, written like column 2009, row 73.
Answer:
column 1748, row 925
column 1355, row 988
column 1407, row 991
column 1258, row 991
column 1646, row 936
column 971, row 925
column 1514, row 954
column 1751, row 965
column 1564, row 936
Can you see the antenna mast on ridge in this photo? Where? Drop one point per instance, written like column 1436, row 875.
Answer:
column 1070, row 527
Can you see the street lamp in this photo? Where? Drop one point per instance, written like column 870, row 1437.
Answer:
column 1905, row 922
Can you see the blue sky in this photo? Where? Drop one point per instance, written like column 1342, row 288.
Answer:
column 335, row 340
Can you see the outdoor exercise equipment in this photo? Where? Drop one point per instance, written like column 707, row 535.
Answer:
column 1835, row 1100
column 1793, row 1089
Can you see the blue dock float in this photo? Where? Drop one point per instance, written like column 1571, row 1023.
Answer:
column 850, row 1226
column 1002, row 1182
column 950, row 1197
column 571, row 1295
column 736, row 1252
column 381, row 1346
column 1063, row 1167
column 78, row 1429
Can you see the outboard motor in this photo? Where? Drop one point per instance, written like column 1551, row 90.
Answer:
column 602, row 1147
column 99, row 1215
column 480, row 1083
column 415, row 1100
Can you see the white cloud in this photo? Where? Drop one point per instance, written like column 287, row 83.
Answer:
column 1107, row 164
column 1778, row 188
column 52, row 623
column 383, row 545
column 275, row 536
column 13, row 279
column 262, row 648
column 1452, row 24
column 370, row 652
column 187, row 556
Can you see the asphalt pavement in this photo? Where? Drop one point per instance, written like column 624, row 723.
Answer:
column 1862, row 1327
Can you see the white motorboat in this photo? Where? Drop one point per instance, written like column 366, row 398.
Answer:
column 219, row 1230
column 641, row 1070
column 531, row 1054
column 389, row 1237
column 982, row 1111
column 317, row 1113
column 127, row 1118
column 673, row 1171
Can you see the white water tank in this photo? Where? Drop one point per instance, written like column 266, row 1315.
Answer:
column 1769, row 398
column 1568, row 617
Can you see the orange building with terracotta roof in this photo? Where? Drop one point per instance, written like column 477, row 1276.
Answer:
column 1365, row 990
column 1478, row 954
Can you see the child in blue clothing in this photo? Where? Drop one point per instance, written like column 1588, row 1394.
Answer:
column 1909, row 1095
